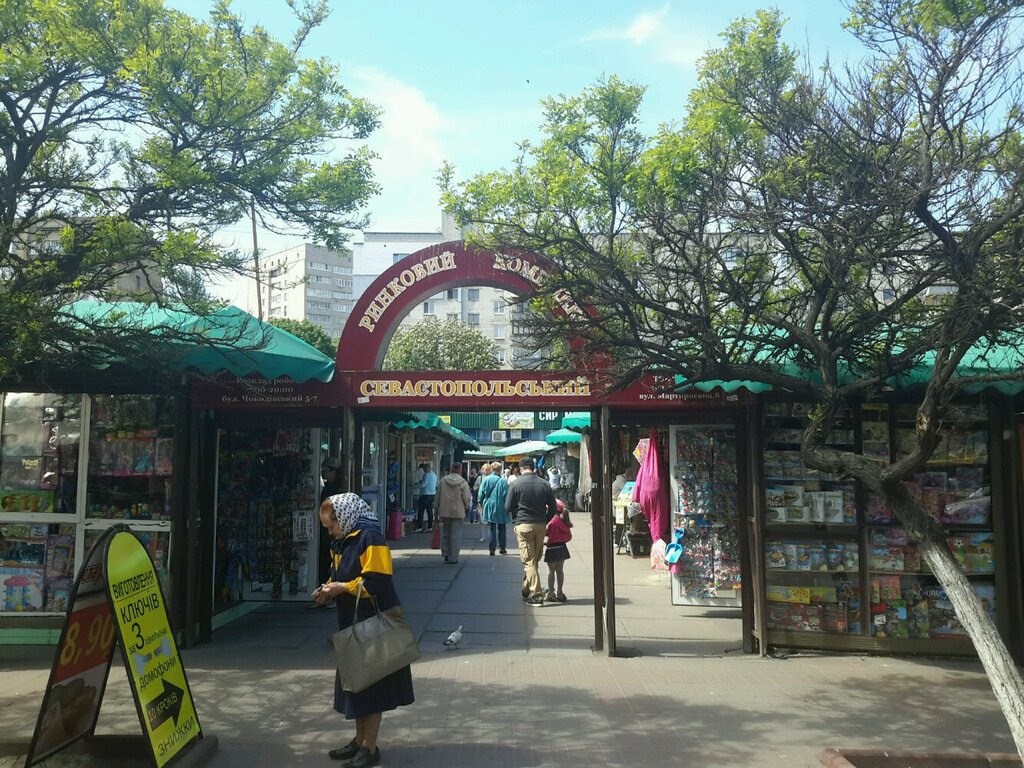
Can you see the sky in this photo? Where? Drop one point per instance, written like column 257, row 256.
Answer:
column 462, row 81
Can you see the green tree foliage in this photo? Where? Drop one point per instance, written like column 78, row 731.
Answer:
column 435, row 345
column 131, row 132
column 311, row 333
column 834, row 233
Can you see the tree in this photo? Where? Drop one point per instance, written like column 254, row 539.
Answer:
column 130, row 133
column 311, row 333
column 833, row 235
column 433, row 345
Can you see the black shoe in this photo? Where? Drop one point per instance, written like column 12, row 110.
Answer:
column 560, row 597
column 347, row 752
column 525, row 593
column 535, row 601
column 504, row 551
column 492, row 553
column 364, row 758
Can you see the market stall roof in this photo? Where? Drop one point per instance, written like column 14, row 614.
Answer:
column 274, row 353
column 562, row 436
column 431, row 423
column 576, row 420
column 997, row 362
column 521, row 449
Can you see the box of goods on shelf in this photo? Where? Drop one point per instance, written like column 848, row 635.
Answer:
column 812, row 552
column 906, row 599
column 36, row 561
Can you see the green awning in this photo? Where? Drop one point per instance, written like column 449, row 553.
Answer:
column 562, row 436
column 272, row 353
column 521, row 449
column 576, row 420
column 432, row 423
column 728, row 387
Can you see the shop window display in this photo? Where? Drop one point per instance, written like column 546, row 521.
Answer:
column 39, row 453
column 812, row 549
column 704, row 553
column 131, row 458
column 267, row 523
column 36, row 566
column 906, row 600
column 39, row 444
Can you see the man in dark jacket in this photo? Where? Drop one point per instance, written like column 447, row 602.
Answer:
column 530, row 503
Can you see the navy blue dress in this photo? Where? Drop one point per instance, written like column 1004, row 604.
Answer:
column 365, row 554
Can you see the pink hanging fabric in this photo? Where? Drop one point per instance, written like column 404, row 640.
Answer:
column 652, row 490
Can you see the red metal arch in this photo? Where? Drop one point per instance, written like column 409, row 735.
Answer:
column 383, row 306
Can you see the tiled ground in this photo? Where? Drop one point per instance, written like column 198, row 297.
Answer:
column 526, row 690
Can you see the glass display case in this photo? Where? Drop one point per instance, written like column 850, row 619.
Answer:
column 267, row 519
column 131, row 458
column 704, row 553
column 906, row 599
column 39, row 455
column 812, row 549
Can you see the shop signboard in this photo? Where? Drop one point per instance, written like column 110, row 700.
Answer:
column 117, row 599
column 71, row 703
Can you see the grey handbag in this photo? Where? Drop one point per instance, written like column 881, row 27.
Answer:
column 372, row 649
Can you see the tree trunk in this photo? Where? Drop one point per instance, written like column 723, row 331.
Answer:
column 1003, row 674
column 930, row 538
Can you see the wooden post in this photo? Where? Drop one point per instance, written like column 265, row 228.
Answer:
column 593, row 437
column 604, row 494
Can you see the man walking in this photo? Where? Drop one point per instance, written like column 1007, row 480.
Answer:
column 531, row 503
column 428, row 489
column 453, row 500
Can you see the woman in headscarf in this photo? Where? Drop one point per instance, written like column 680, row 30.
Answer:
column 361, row 560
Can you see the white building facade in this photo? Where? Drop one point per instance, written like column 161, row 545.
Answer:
column 309, row 282
column 488, row 310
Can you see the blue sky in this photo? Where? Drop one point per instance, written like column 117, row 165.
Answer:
column 462, row 81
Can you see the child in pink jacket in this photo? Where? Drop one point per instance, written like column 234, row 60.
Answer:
column 556, row 553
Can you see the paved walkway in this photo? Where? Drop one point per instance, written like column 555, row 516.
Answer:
column 526, row 691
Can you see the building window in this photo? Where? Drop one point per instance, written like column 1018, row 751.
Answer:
column 319, row 305
column 319, row 265
column 452, row 294
column 428, row 308
column 342, row 270
column 453, row 315
column 502, row 356
column 320, row 292
column 473, row 318
column 344, row 307
column 473, row 294
column 499, row 307
column 319, row 279
column 498, row 332
column 344, row 282
column 397, row 257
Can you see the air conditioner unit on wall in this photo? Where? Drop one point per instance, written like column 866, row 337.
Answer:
column 499, row 436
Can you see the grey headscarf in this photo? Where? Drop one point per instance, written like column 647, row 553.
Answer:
column 349, row 509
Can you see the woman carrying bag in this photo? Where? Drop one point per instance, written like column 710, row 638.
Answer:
column 361, row 560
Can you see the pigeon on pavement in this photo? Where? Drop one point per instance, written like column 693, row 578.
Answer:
column 453, row 640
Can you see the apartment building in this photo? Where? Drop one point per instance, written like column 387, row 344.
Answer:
column 309, row 282
column 489, row 310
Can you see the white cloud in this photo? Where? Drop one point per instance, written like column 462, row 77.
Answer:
column 655, row 31
column 642, row 28
column 410, row 144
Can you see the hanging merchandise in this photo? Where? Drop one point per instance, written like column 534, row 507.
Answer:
column 267, row 529
column 705, row 556
column 652, row 491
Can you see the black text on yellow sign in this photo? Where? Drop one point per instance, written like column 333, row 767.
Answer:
column 155, row 671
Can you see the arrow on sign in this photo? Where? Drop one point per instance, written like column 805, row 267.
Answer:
column 165, row 706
